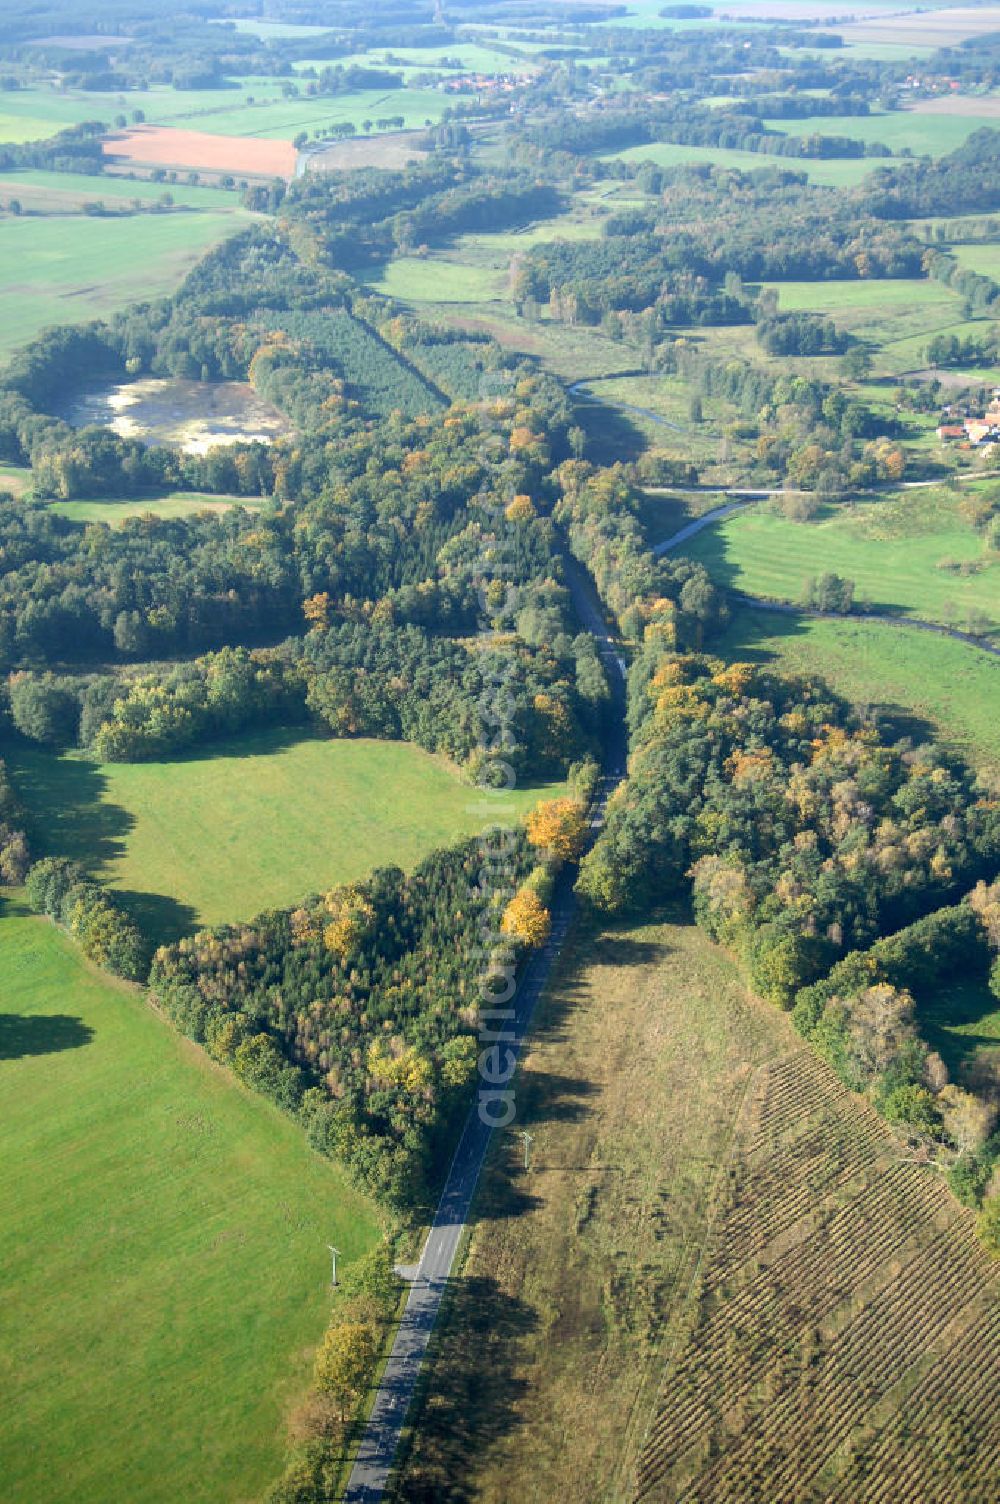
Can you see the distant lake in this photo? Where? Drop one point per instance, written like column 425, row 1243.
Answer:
column 192, row 416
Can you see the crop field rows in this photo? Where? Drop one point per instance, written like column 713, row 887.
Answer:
column 841, row 1303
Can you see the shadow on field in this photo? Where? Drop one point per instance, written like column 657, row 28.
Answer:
column 474, row 1407
column 68, row 815
column 160, row 918
column 611, row 434
column 41, row 1034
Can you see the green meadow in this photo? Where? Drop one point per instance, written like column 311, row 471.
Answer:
column 255, row 822
column 899, row 130
column 176, row 504
column 415, row 279
column 32, row 114
column 56, row 270
column 839, row 174
column 48, row 191
column 163, row 1269
column 984, row 259
column 911, row 555
column 921, row 682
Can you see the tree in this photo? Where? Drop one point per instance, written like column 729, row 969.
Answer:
column 345, row 1362
column 988, row 1226
column 527, row 919
column 45, row 708
column 559, row 826
column 967, row 1119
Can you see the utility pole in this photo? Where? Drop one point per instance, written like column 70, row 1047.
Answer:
column 334, row 1252
column 528, row 1141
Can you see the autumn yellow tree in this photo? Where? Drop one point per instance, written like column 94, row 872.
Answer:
column 316, row 610
column 351, row 919
column 345, row 1362
column 527, row 919
column 559, row 826
column 520, row 509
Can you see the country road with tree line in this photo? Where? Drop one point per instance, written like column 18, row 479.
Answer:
column 377, row 1451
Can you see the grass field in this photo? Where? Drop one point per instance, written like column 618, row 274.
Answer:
column 14, row 478
column 163, row 1269
column 704, row 1202
column 416, row 279
column 256, row 822
column 908, row 556
column 176, row 504
column 30, row 114
column 984, row 259
column 58, row 271
column 891, row 315
column 49, row 192
column 930, row 135
column 837, row 174
column 918, row 684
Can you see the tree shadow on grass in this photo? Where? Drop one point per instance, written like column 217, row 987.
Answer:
column 68, row 812
column 160, row 918
column 471, row 1402
column 611, row 434
column 41, row 1034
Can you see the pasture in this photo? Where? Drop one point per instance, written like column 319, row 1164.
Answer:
column 174, row 504
column 252, row 107
column 417, row 279
column 911, row 555
column 251, row 823
column 164, row 1270
column 843, row 173
column 15, row 478
column 899, row 130
column 921, row 685
column 55, row 192
column 58, row 270
column 704, row 1202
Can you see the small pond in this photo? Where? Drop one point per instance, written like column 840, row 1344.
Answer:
column 192, row 416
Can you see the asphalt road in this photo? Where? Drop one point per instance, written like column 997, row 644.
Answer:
column 379, row 1444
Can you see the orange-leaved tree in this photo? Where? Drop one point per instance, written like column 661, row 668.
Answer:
column 527, row 919
column 559, row 826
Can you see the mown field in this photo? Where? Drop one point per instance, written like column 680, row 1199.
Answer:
column 175, row 504
column 255, row 822
column 918, row 683
column 911, row 555
column 924, row 135
column 163, row 1269
column 252, row 107
column 54, row 192
column 58, row 270
column 708, row 1217
column 843, row 173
